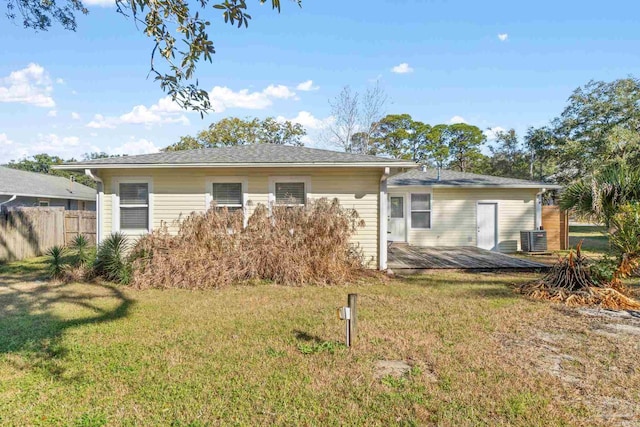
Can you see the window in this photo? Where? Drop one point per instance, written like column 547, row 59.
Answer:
column 397, row 207
column 227, row 195
column 43, row 203
column 134, row 206
column 420, row 210
column 290, row 193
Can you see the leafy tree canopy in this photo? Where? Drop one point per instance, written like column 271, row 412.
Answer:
column 42, row 163
column 179, row 30
column 235, row 131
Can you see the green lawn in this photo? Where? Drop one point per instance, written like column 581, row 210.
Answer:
column 594, row 238
column 95, row 354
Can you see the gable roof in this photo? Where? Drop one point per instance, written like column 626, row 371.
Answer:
column 31, row 184
column 449, row 178
column 260, row 155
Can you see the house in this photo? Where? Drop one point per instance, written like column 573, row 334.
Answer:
column 138, row 193
column 22, row 188
column 428, row 207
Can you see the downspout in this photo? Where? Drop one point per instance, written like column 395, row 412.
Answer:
column 10, row 200
column 538, row 218
column 382, row 226
column 99, row 201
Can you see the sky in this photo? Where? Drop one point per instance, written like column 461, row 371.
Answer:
column 493, row 64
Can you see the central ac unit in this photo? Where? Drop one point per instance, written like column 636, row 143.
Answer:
column 533, row 241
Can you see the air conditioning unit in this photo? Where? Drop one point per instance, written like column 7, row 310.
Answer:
column 533, row 241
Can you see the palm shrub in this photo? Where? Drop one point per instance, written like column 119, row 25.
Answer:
column 625, row 238
column 598, row 197
column 112, row 261
column 56, row 261
column 80, row 245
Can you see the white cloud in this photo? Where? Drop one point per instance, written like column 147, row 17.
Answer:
column 503, row 37
column 278, row 91
column 457, row 119
column 60, row 81
column 307, row 86
column 75, row 116
column 31, row 85
column 64, row 146
column 307, row 120
column 493, row 132
column 52, row 113
column 403, row 68
column 4, row 140
column 135, row 146
column 101, row 122
column 99, row 3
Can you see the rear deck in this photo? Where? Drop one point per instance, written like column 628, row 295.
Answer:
column 405, row 257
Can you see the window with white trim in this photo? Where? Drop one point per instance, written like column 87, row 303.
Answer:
column 420, row 210
column 290, row 193
column 134, row 205
column 227, row 195
column 43, row 203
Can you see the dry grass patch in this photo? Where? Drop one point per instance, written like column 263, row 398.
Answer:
column 263, row 355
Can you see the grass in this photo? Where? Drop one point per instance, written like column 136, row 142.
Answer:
column 95, row 354
column 595, row 240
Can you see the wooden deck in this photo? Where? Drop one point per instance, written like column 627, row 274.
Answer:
column 405, row 257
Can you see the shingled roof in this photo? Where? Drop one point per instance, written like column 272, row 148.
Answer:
column 254, row 155
column 31, row 184
column 449, row 178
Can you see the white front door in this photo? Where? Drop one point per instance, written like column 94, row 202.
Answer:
column 397, row 222
column 487, row 226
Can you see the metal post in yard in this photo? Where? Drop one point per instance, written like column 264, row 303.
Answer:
column 352, row 303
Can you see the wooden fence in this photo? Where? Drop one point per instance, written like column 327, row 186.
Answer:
column 29, row 232
column 556, row 222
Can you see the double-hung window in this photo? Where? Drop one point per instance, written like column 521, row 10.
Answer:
column 290, row 193
column 420, row 210
column 227, row 195
column 134, row 206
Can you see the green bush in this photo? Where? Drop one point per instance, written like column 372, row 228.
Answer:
column 56, row 261
column 83, row 252
column 112, row 261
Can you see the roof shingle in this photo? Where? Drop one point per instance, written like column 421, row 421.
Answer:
column 449, row 178
column 23, row 183
column 257, row 154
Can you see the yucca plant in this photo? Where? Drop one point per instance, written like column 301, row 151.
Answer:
column 56, row 261
column 111, row 259
column 81, row 246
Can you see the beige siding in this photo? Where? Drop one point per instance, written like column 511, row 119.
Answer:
column 454, row 220
column 178, row 192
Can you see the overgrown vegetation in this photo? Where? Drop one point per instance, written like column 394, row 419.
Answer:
column 56, row 261
column 574, row 282
column 113, row 262
column 289, row 245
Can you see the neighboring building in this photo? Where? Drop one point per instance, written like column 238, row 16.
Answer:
column 427, row 208
column 22, row 188
column 138, row 193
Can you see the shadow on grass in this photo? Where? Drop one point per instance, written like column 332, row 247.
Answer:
column 33, row 331
column 306, row 337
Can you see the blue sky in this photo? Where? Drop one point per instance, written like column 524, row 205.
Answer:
column 69, row 93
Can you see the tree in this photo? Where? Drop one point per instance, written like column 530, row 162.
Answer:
column 508, row 158
column 542, row 146
column 42, row 163
column 179, row 29
column 599, row 196
column 600, row 125
column 464, row 142
column 436, row 147
column 354, row 114
column 393, row 135
column 235, row 131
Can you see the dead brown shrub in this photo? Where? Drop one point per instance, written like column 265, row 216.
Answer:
column 289, row 245
column 570, row 282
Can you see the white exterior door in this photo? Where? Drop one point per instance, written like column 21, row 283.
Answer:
column 488, row 226
column 397, row 221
